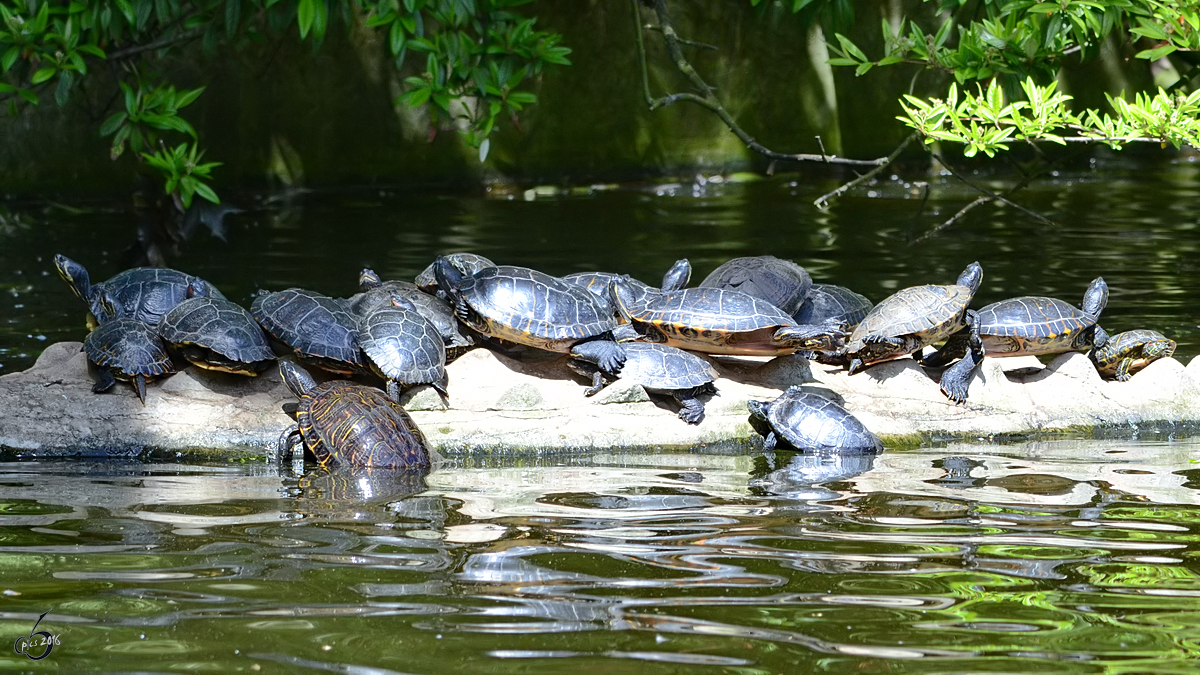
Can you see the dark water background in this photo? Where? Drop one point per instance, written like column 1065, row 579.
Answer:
column 1055, row 556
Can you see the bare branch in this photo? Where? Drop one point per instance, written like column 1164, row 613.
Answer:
column 992, row 195
column 822, row 202
column 157, row 44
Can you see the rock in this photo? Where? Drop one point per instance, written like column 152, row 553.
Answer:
column 534, row 404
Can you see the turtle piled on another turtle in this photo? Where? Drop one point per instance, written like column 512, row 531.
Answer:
column 342, row 423
column 466, row 264
column 807, row 421
column 661, row 370
column 216, row 334
column 1124, row 354
column 143, row 293
column 375, row 293
column 403, row 347
column 598, row 283
column 316, row 327
column 782, row 283
column 912, row 318
column 1024, row 326
column 122, row 348
column 827, row 302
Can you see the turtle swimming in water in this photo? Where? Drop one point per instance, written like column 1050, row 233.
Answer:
column 122, row 348
column 1126, row 353
column 660, row 369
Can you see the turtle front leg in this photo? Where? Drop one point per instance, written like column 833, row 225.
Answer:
column 955, row 348
column 897, row 342
column 692, row 410
column 956, row 380
column 393, row 390
column 597, row 384
column 1123, row 368
column 607, row 354
column 770, row 442
column 287, row 440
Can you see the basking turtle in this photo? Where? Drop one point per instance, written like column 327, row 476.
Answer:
column 534, row 309
column 782, row 283
column 143, row 293
column 660, row 369
column 403, row 346
column 342, row 423
column 827, row 302
column 718, row 321
column 216, row 334
column 810, row 422
column 466, row 263
column 1023, row 326
column 375, row 293
column 124, row 349
column 913, row 318
column 598, row 283
column 1126, row 353
column 316, row 327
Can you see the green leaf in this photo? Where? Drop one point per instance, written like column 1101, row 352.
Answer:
column 207, row 192
column 320, row 20
column 1157, row 53
column 113, row 123
column 233, row 16
column 396, row 38
column 305, row 13
column 126, row 10
column 42, row 75
column 10, row 57
column 416, row 97
column 850, row 48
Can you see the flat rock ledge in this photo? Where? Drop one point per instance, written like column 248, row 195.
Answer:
column 535, row 405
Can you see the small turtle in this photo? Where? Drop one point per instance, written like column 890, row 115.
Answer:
column 403, row 346
column 1024, row 326
column 144, row 293
column 1126, row 353
column 660, row 369
column 216, row 334
column 598, row 283
column 718, row 321
column 124, row 349
column 342, row 423
column 782, row 283
column 913, row 318
column 534, row 309
column 827, row 302
column 316, row 327
column 807, row 421
column 375, row 293
column 466, row 263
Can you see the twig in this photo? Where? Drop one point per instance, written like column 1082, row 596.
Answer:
column 822, row 202
column 708, row 100
column 992, row 195
column 953, row 219
column 157, row 44
column 690, row 43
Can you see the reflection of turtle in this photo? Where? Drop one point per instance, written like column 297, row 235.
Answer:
column 466, row 263
column 375, row 293
column 316, row 327
column 717, row 321
column 348, row 490
column 810, row 422
column 216, row 334
column 660, row 369
column 534, row 309
column 124, row 349
column 1022, row 326
column 1126, row 353
column 827, row 302
column 342, row 423
column 144, row 293
column 782, row 283
column 913, row 318
column 598, row 283
column 403, row 347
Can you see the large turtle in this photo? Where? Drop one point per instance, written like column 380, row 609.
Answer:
column 143, row 293
column 718, row 321
column 1024, row 326
column 660, row 369
column 782, row 283
column 807, row 421
column 466, row 263
column 342, row 423
column 913, row 318
column 124, row 349
column 403, row 346
column 534, row 309
column 374, row 293
column 1124, row 354
column 216, row 334
column 827, row 302
column 598, row 283
column 317, row 328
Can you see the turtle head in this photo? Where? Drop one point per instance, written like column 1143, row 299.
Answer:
column 758, row 409
column 296, row 378
column 1100, row 338
column 624, row 298
column 400, row 301
column 368, row 279
column 677, row 278
column 1158, row 348
column 1096, row 297
column 198, row 288
column 107, row 307
column 74, row 274
column 448, row 276
column 971, row 277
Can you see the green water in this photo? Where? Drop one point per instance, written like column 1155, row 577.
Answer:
column 1054, row 556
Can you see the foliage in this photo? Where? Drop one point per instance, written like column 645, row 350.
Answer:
column 480, row 57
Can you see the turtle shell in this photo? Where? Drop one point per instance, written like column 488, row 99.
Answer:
column 782, row 283
column 431, row 307
column 529, row 307
column 712, row 320
column 148, row 293
column 467, row 263
column 1141, row 347
column 927, row 313
column 318, row 328
column 217, row 334
column 664, row 368
column 1034, row 325
column 128, row 348
column 403, row 345
column 811, row 422
column 343, row 423
column 827, row 302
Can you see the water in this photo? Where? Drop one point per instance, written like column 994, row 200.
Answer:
column 1059, row 555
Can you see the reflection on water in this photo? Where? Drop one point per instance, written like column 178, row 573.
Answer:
column 1060, row 556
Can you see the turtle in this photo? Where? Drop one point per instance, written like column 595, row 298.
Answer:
column 808, row 421
column 466, row 263
column 675, row 279
column 1024, row 326
column 403, row 346
column 1126, row 353
column 718, row 321
column 374, row 292
column 122, row 348
column 534, row 309
column 216, row 334
column 913, row 318
column 782, row 283
column 316, row 327
column 343, row 423
column 143, row 293
column 660, row 369
column 830, row 302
